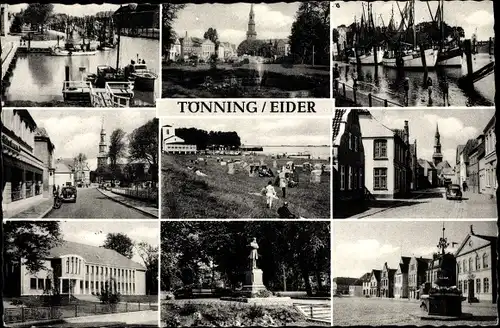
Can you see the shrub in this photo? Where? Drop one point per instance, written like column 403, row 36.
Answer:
column 264, row 293
column 188, row 309
column 256, row 312
column 245, row 61
column 16, row 302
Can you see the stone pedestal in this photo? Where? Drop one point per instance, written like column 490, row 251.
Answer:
column 253, row 283
column 443, row 304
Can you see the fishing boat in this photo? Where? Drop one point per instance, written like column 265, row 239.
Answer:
column 450, row 54
column 143, row 78
column 57, row 51
column 407, row 55
column 367, row 58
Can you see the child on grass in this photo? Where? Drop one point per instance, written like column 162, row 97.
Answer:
column 270, row 194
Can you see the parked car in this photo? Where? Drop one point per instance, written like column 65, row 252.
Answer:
column 453, row 191
column 69, row 193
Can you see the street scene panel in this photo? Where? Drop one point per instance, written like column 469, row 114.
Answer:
column 59, row 55
column 245, row 50
column 242, row 274
column 415, row 273
column 413, row 53
column 79, row 164
column 252, row 168
column 81, row 274
column 429, row 163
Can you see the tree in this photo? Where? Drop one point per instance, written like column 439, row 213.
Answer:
column 30, row 242
column 211, row 34
column 109, row 292
column 117, row 148
column 17, row 23
column 143, row 144
column 169, row 15
column 311, row 28
column 37, row 14
column 121, row 243
column 149, row 255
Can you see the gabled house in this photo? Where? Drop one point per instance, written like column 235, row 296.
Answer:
column 356, row 288
column 490, row 158
column 375, row 283
column 428, row 174
column 401, row 278
column 417, row 275
column 348, row 159
column 366, row 283
column 477, row 266
column 475, row 154
column 387, row 281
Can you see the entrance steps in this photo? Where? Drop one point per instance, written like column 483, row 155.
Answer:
column 315, row 312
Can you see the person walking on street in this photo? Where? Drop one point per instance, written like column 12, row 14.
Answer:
column 429, row 89
column 446, row 98
column 336, row 77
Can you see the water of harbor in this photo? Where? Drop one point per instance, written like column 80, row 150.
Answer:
column 39, row 77
column 389, row 84
column 317, row 152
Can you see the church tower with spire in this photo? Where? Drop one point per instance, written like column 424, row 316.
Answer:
column 437, row 157
column 251, row 33
column 102, row 157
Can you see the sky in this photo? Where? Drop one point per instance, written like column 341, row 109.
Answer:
column 264, row 131
column 78, row 131
column 360, row 246
column 94, row 232
column 455, row 127
column 72, row 10
column 272, row 21
column 468, row 14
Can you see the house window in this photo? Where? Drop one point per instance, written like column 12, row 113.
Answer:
column 464, row 266
column 355, row 179
column 380, row 178
column 465, row 286
column 67, row 265
column 412, row 267
column 97, row 285
column 342, row 177
column 478, row 285
column 350, row 178
column 458, row 267
column 41, row 284
column 478, row 262
column 350, row 141
column 86, row 285
column 33, row 283
column 361, row 181
column 87, row 269
column 470, row 264
column 486, row 285
column 460, row 285
column 485, row 261
column 380, row 149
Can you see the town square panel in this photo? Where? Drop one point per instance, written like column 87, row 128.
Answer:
column 413, row 53
column 92, row 55
column 80, row 272
column 414, row 273
column 245, row 50
column 428, row 163
column 99, row 164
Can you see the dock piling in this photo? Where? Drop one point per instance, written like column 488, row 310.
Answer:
column 468, row 57
column 424, row 62
column 66, row 73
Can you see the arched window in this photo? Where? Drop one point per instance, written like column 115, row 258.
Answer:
column 470, row 263
column 486, row 259
column 67, row 265
column 478, row 262
column 460, row 285
column 464, row 266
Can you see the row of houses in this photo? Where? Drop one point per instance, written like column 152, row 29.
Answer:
column 474, row 273
column 476, row 162
column 30, row 169
column 200, row 47
column 373, row 160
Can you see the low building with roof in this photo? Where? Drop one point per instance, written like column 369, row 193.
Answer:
column 417, row 275
column 365, row 279
column 477, row 266
column 172, row 144
column 356, row 288
column 341, row 285
column 375, row 283
column 80, row 269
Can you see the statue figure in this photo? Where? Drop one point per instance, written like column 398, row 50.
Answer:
column 253, row 254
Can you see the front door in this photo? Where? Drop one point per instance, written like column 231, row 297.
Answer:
column 65, row 286
column 471, row 289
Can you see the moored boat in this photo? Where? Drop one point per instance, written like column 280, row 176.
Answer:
column 64, row 52
column 411, row 59
column 450, row 57
column 143, row 78
column 368, row 58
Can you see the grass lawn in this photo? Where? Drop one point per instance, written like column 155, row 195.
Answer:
column 139, row 298
column 219, row 195
column 231, row 314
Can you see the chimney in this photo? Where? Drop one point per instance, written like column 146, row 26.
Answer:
column 407, row 133
column 471, row 230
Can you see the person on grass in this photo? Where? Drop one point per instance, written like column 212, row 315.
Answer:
column 270, row 194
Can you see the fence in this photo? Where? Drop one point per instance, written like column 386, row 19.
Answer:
column 350, row 93
column 26, row 314
column 150, row 195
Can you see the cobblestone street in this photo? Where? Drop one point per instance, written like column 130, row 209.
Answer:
column 357, row 311
column 432, row 203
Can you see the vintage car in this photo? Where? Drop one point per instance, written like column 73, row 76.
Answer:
column 453, row 191
column 69, row 193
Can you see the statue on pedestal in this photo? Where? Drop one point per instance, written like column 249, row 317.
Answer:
column 254, row 256
column 253, row 277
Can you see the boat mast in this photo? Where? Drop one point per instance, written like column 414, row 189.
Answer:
column 118, row 46
column 412, row 11
column 441, row 19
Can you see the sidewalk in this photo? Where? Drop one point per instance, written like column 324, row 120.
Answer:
column 142, row 207
column 142, row 317
column 36, row 211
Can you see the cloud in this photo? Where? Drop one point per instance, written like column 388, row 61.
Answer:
column 480, row 18
column 451, row 127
